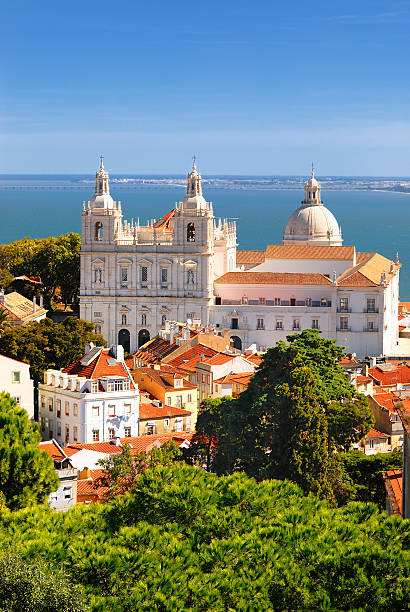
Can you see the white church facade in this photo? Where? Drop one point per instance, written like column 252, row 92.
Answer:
column 186, row 266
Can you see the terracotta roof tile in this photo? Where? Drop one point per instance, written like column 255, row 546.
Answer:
column 219, row 359
column 20, row 309
column 53, row 449
column 193, row 352
column 367, row 271
column 393, row 480
column 137, row 444
column 250, row 257
column 100, row 366
column 386, row 400
column 306, row 251
column 373, row 433
column 273, row 278
column 398, row 374
column 151, row 411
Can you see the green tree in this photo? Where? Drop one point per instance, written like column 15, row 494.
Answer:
column 296, row 434
column 33, row 586
column 55, row 259
column 27, row 474
column 366, row 474
column 185, row 539
column 45, row 344
column 121, row 471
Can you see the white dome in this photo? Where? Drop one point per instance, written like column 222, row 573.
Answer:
column 312, row 224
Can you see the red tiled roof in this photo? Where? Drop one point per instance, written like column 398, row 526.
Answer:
column 398, row 374
column 138, row 444
column 393, row 480
column 250, row 257
column 164, row 222
column 219, row 359
column 273, row 278
column 53, row 449
column 98, row 367
column 254, row 358
column 302, row 251
column 193, row 352
column 164, row 379
column 156, row 350
column 85, row 486
column 151, row 411
column 243, row 378
column 373, row 433
column 347, row 360
column 386, row 400
column 362, row 379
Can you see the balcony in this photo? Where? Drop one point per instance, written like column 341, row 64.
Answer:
column 370, row 329
column 338, row 309
column 343, row 329
column 371, row 310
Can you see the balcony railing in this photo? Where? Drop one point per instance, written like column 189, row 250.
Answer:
column 343, row 329
column 370, row 329
column 371, row 310
column 314, row 304
column 340, row 309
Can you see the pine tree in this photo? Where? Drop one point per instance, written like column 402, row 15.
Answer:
column 27, row 474
column 298, row 445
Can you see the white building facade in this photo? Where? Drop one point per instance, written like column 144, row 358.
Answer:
column 94, row 399
column 15, row 380
column 186, row 266
column 134, row 278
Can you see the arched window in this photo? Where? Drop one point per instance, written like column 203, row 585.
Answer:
column 98, row 230
column 123, row 319
column 190, row 277
column 190, row 232
column 163, row 319
column 97, row 328
column 143, row 319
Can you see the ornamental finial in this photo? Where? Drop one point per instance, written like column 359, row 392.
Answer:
column 101, row 162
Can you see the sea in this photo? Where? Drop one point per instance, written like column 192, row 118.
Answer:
column 37, row 206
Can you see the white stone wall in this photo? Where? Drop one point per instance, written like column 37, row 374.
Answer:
column 15, row 380
column 86, row 421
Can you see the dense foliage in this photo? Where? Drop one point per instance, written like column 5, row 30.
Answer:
column 27, row 474
column 366, row 474
column 186, row 539
column 121, row 471
column 56, row 260
column 45, row 344
column 33, row 586
column 299, row 409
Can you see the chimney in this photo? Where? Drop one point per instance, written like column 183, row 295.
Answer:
column 157, row 366
column 366, row 370
column 116, row 441
column 88, row 347
column 85, row 473
column 118, row 351
column 34, row 304
column 372, row 362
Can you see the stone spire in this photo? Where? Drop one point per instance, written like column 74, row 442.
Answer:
column 101, row 180
column 101, row 197
column 194, row 182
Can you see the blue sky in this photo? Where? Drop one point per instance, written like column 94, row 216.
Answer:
column 258, row 87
